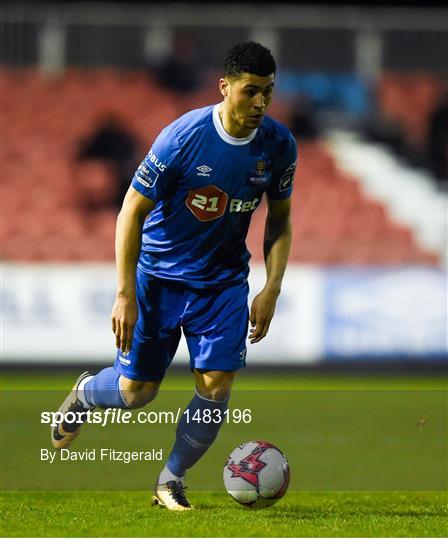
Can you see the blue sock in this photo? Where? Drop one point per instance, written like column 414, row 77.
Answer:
column 194, row 438
column 103, row 390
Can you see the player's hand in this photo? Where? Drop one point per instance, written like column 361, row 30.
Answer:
column 261, row 313
column 124, row 317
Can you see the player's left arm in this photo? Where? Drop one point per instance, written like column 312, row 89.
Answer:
column 277, row 245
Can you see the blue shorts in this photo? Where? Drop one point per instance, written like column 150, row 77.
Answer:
column 214, row 322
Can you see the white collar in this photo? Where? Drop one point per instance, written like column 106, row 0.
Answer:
column 223, row 133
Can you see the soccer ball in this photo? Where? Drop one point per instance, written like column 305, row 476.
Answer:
column 256, row 474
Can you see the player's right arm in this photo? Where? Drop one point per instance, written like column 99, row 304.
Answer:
column 128, row 234
column 153, row 181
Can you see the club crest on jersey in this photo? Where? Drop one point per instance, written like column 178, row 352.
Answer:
column 258, row 176
column 261, row 167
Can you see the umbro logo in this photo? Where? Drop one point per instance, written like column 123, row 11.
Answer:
column 204, row 170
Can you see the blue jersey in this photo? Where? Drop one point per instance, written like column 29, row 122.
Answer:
column 206, row 185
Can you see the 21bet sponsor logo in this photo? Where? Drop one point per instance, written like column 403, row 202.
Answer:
column 209, row 203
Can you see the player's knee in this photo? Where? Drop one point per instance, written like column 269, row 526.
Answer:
column 216, row 394
column 138, row 393
column 214, row 384
column 136, row 400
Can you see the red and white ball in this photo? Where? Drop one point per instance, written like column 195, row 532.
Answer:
column 256, row 474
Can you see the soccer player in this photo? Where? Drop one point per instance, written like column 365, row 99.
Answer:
column 182, row 260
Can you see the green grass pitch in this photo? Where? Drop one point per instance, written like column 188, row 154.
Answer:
column 303, row 512
column 127, row 514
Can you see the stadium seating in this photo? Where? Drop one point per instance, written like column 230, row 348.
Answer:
column 45, row 189
column 409, row 99
column 334, row 222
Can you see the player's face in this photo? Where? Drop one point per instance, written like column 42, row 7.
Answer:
column 248, row 96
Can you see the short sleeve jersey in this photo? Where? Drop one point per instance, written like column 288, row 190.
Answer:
column 206, row 185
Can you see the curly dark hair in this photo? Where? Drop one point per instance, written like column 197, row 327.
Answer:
column 249, row 57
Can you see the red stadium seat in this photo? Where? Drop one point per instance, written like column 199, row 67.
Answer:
column 409, row 99
column 334, row 222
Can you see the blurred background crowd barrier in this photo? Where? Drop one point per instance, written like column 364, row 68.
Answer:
column 87, row 87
